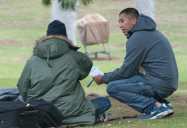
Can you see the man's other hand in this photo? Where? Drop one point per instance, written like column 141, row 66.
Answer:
column 98, row 79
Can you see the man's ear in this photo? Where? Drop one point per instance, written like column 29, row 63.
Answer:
column 134, row 20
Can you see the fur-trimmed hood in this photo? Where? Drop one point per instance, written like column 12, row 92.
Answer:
column 58, row 37
column 52, row 47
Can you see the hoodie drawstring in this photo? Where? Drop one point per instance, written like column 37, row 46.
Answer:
column 48, row 53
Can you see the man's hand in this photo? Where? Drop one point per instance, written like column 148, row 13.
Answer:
column 98, row 79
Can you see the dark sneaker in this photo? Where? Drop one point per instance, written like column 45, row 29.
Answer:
column 157, row 112
column 170, row 109
column 102, row 117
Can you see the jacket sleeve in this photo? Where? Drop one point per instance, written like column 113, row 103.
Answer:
column 85, row 65
column 135, row 54
column 24, row 81
column 83, row 62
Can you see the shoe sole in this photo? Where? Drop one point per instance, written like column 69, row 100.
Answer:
column 170, row 112
column 160, row 115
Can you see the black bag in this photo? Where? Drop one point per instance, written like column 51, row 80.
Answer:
column 18, row 114
column 48, row 114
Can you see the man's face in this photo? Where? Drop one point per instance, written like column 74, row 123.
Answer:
column 126, row 23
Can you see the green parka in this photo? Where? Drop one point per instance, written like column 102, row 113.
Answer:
column 53, row 74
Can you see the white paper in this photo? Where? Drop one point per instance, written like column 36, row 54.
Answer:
column 95, row 71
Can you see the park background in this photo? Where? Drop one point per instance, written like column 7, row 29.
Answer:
column 22, row 22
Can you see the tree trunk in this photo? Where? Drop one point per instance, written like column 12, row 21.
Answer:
column 146, row 7
column 68, row 17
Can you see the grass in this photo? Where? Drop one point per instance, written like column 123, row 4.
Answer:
column 22, row 22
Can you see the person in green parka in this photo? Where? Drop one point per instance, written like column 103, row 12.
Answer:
column 53, row 74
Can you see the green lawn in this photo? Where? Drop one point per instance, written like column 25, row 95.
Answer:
column 23, row 22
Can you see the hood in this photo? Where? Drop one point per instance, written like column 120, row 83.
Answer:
column 144, row 23
column 52, row 47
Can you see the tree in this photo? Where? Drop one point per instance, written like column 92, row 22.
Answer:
column 66, row 12
column 146, row 7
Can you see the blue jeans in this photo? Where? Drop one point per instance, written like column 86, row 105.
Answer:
column 103, row 104
column 136, row 93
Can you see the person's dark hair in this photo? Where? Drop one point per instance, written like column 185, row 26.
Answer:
column 130, row 12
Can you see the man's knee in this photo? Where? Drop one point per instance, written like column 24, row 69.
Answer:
column 110, row 89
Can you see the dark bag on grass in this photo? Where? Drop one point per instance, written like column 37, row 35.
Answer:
column 48, row 114
column 18, row 114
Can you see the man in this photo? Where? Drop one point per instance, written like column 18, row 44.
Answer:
column 53, row 74
column 149, row 72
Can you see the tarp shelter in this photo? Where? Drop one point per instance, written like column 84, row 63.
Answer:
column 94, row 29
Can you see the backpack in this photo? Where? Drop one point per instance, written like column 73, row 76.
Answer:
column 48, row 114
column 18, row 114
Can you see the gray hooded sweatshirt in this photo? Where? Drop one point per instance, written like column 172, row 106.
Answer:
column 149, row 48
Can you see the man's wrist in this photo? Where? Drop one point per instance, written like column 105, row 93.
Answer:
column 102, row 78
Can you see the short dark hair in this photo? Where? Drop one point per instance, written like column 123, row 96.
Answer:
column 131, row 12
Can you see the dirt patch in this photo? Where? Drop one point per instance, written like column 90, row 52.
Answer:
column 16, row 43
column 183, row 83
column 184, row 98
column 2, row 3
column 118, row 45
column 115, row 27
column 15, row 23
column 176, row 46
column 94, row 96
column 124, row 1
column 21, row 59
column 103, row 58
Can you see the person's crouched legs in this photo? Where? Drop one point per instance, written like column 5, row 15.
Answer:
column 103, row 104
column 129, row 91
